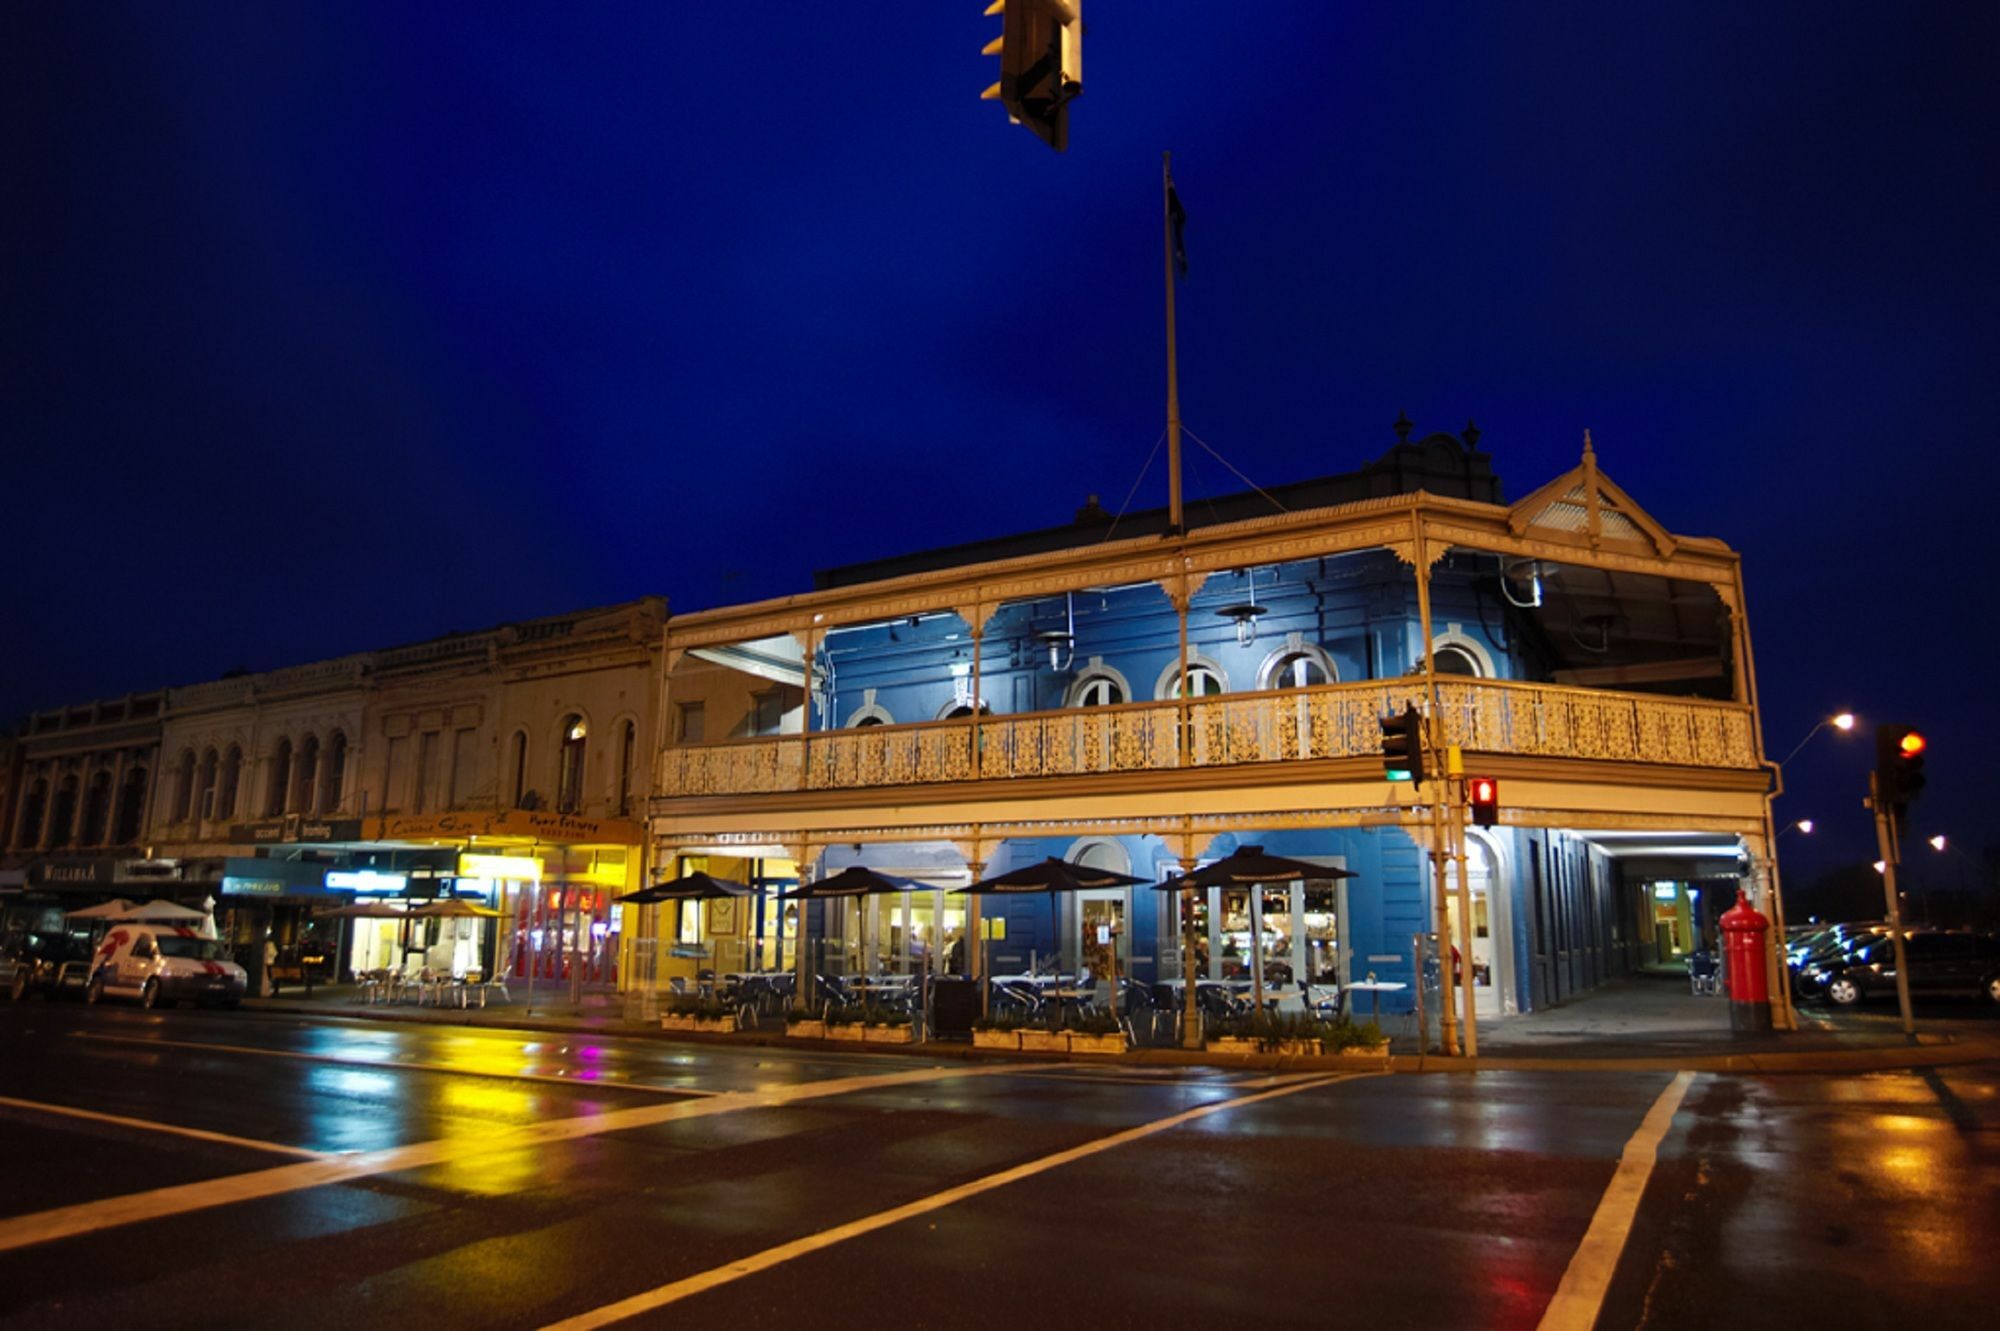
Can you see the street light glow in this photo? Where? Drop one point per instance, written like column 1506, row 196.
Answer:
column 1881, row 866
column 1844, row 721
column 1937, row 842
column 1804, row 825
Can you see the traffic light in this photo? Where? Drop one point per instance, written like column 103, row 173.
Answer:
column 1403, row 745
column 1483, row 794
column 1041, row 63
column 1899, row 769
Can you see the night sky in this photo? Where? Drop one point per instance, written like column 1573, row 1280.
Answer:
column 332, row 326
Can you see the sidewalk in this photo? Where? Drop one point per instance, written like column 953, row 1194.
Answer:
column 1641, row 1023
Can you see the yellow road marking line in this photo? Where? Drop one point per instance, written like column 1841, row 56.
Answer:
column 405, row 1065
column 785, row 1252
column 1580, row 1296
column 111, row 1212
column 199, row 1134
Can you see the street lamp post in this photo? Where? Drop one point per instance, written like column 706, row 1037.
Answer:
column 1780, row 982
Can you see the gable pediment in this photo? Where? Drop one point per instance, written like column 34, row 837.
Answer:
column 1583, row 506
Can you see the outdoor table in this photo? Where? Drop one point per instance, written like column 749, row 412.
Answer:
column 1378, row 988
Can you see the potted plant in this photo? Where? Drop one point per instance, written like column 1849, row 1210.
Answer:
column 801, row 1024
column 699, row 1014
column 1044, row 1039
column 846, row 1021
column 1094, row 1032
column 1229, row 1035
column 1344, row 1037
column 997, row 1032
column 889, row 1026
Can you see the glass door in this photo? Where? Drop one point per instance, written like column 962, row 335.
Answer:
column 1105, row 948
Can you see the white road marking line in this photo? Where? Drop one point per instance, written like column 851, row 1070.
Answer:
column 785, row 1252
column 405, row 1065
column 199, row 1134
column 1580, row 1296
column 111, row 1212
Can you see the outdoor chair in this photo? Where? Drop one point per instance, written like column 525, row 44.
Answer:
column 1704, row 973
column 834, row 992
column 1324, row 1001
column 1016, row 998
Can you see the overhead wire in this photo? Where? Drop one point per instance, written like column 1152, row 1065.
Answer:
column 1135, row 485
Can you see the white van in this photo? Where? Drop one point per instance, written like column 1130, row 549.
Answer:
column 161, row 964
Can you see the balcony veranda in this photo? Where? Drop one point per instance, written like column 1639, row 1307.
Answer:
column 1329, row 721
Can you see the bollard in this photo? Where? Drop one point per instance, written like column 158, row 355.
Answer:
column 1743, row 940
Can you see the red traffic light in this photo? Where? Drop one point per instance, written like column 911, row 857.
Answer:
column 1483, row 793
column 1911, row 744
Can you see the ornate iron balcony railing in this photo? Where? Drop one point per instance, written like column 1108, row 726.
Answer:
column 1330, row 721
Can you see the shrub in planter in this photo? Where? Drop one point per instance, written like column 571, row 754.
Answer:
column 1344, row 1037
column 802, row 1025
column 1094, row 1032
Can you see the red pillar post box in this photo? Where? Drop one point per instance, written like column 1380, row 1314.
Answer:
column 1744, row 931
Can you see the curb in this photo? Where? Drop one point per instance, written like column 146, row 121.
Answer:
column 1931, row 1051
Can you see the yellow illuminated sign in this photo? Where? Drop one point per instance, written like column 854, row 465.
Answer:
column 513, row 868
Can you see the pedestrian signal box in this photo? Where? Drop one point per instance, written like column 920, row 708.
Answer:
column 1482, row 793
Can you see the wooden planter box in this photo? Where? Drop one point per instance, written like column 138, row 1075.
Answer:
column 687, row 1021
column 889, row 1034
column 1046, row 1042
column 1113, row 1043
column 852, row 1030
column 995, row 1039
column 806, row 1030
column 1365, row 1051
column 1230, row 1044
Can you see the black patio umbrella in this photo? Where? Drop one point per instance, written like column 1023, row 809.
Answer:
column 695, row 886
column 1052, row 876
column 1248, row 866
column 851, row 883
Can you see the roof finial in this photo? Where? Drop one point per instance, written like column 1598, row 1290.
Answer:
column 1402, row 427
column 1471, row 435
column 1587, row 450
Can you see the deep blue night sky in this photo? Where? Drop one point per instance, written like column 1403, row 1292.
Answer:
column 336, row 325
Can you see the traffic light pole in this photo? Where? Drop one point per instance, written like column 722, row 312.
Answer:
column 1456, row 784
column 1885, row 839
column 1447, row 1003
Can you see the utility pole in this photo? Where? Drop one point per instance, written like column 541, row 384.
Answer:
column 1885, row 840
column 1455, row 784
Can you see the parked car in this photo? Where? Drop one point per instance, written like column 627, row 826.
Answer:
column 1940, row 963
column 49, row 964
column 160, row 965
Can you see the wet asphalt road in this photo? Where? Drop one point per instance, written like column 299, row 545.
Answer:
column 1371, row 1201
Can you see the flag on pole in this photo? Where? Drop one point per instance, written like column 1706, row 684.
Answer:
column 1177, row 215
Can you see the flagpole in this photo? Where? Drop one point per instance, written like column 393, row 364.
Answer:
column 1173, row 372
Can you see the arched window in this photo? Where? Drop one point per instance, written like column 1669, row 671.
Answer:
column 232, row 777
column 34, row 809
column 1456, row 652
column 1454, row 661
column 1205, row 680
column 1296, row 666
column 1098, row 686
column 569, row 765
column 628, row 754
column 281, row 779
column 204, row 785
column 518, row 780
column 956, row 710
column 306, row 798
column 131, row 806
column 96, row 808
column 333, row 780
column 62, row 823
column 183, row 787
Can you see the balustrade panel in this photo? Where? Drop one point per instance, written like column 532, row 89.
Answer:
column 1332, row 721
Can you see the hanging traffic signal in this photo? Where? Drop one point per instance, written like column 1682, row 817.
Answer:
column 1899, row 769
column 1041, row 64
column 1483, row 794
column 1403, row 745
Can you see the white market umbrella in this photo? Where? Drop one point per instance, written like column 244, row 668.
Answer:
column 109, row 910
column 161, row 911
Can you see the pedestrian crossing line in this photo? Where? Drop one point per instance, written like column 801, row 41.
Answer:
column 689, row 1286
column 148, row 1125
column 133, row 1208
column 403, row 1065
column 1580, row 1297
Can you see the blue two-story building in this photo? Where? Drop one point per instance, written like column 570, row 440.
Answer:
column 1144, row 699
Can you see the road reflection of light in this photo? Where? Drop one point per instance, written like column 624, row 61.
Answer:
column 339, row 1124
column 480, row 1107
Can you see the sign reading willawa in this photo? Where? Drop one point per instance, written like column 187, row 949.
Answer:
column 519, row 824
